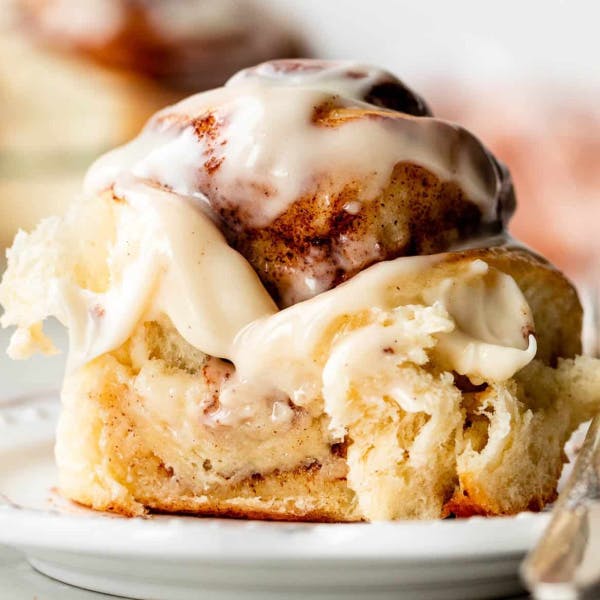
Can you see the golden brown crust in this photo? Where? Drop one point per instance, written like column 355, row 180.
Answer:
column 470, row 500
column 193, row 507
column 251, row 498
column 467, row 503
column 263, row 515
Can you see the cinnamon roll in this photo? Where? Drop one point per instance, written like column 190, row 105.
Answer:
column 183, row 44
column 294, row 297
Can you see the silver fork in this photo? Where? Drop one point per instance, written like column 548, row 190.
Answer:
column 565, row 563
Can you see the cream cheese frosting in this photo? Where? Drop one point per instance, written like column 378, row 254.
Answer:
column 170, row 257
column 264, row 138
column 167, row 255
column 255, row 151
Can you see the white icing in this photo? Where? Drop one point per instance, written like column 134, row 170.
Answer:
column 352, row 208
column 492, row 339
column 487, row 336
column 170, row 257
column 270, row 151
column 204, row 282
column 331, row 77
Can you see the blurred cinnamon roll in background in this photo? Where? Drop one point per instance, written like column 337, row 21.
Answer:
column 90, row 72
column 184, row 44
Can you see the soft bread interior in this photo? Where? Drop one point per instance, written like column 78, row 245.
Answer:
column 132, row 436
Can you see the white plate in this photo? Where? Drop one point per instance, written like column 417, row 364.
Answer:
column 18, row 581
column 173, row 558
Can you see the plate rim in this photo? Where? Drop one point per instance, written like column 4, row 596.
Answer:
column 190, row 538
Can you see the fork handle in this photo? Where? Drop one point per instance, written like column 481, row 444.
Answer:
column 551, row 571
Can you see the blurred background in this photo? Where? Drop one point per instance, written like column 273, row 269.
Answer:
column 78, row 77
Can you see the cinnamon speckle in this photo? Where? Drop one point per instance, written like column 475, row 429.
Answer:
column 98, row 311
column 212, row 164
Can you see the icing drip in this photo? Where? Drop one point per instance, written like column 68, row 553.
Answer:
column 274, row 150
column 256, row 143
